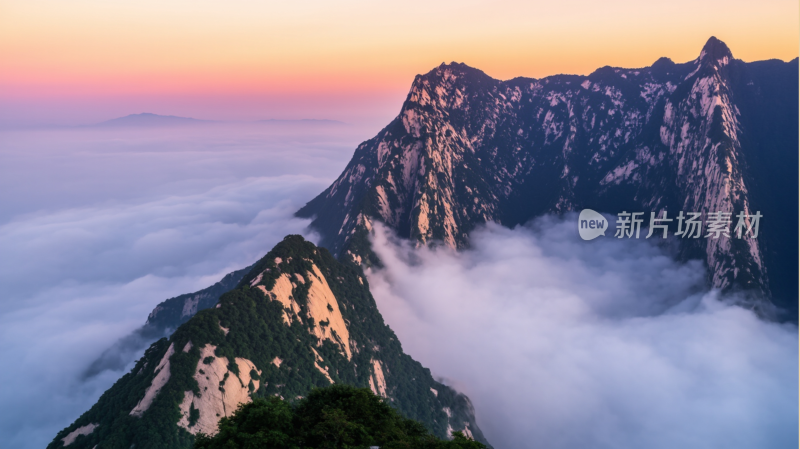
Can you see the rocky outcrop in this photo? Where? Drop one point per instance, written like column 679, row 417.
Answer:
column 299, row 320
column 467, row 149
column 377, row 381
column 322, row 308
column 220, row 391
column 84, row 430
column 162, row 374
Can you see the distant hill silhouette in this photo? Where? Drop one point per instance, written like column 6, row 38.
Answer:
column 149, row 119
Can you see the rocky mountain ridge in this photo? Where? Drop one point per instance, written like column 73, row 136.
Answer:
column 697, row 137
column 297, row 320
column 713, row 134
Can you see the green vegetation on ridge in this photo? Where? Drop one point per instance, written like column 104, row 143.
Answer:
column 339, row 416
column 257, row 332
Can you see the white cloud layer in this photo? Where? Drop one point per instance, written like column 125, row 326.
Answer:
column 135, row 217
column 562, row 343
column 76, row 281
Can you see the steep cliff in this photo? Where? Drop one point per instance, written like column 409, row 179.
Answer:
column 298, row 320
column 711, row 135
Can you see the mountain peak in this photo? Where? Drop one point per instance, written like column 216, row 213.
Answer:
column 454, row 65
column 715, row 51
column 299, row 319
column 458, row 69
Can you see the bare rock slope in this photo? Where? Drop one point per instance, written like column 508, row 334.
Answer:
column 713, row 134
column 298, row 320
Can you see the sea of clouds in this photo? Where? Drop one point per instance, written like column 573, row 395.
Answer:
column 99, row 225
column 560, row 343
column 563, row 343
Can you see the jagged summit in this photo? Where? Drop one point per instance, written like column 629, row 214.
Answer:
column 453, row 65
column 466, row 149
column 449, row 73
column 715, row 51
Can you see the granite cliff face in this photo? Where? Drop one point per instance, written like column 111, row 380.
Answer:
column 297, row 320
column 711, row 135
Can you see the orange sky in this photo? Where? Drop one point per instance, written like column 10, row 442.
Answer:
column 252, row 58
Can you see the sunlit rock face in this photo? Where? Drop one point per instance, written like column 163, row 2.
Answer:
column 297, row 320
column 714, row 134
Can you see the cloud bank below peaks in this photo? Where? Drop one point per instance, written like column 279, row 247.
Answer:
column 75, row 281
column 562, row 343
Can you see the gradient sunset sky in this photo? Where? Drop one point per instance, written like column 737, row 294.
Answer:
column 82, row 61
